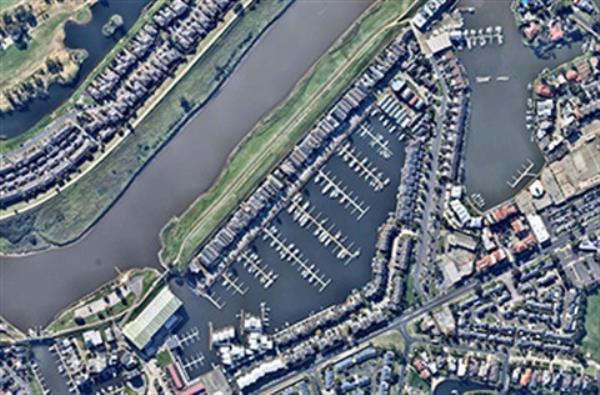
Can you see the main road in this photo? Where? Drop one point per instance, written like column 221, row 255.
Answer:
column 34, row 288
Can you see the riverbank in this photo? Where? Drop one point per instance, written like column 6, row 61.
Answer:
column 108, row 303
column 9, row 333
column 68, row 215
column 272, row 138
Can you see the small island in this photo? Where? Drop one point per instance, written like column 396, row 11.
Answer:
column 114, row 23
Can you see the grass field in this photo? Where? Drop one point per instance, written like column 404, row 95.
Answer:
column 65, row 319
column 273, row 137
column 391, row 339
column 68, row 215
column 591, row 341
column 46, row 41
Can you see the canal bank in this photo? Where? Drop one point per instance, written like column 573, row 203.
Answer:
column 498, row 141
column 127, row 236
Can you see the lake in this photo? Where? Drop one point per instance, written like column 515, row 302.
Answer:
column 88, row 37
column 498, row 142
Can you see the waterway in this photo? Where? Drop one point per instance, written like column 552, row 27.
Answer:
column 498, row 140
column 34, row 288
column 88, row 37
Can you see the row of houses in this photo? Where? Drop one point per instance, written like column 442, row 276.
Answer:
column 528, row 377
column 42, row 167
column 295, row 169
column 364, row 310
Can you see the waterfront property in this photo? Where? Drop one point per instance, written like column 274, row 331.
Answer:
column 155, row 319
column 110, row 104
column 515, row 278
column 267, row 145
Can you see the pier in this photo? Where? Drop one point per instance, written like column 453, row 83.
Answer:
column 334, row 188
column 251, row 262
column 234, row 283
column 302, row 213
column 377, row 141
column 523, row 172
column 291, row 253
column 363, row 168
column 482, row 37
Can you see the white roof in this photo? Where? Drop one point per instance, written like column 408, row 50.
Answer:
column 538, row 228
column 93, row 338
column 439, row 42
column 260, row 371
column 141, row 330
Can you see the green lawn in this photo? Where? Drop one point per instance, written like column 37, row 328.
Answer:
column 67, row 216
column 274, row 136
column 412, row 297
column 417, row 382
column 66, row 318
column 591, row 342
column 14, row 61
column 390, row 340
column 163, row 359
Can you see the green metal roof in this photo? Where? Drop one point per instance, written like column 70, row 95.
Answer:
column 141, row 330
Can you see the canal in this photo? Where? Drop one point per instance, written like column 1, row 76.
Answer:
column 498, row 142
column 34, row 288
column 88, row 37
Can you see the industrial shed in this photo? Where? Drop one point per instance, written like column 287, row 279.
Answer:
column 158, row 315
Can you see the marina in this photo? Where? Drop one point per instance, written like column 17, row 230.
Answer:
column 302, row 212
column 127, row 236
column 334, row 189
column 314, row 230
column 498, row 141
column 292, row 254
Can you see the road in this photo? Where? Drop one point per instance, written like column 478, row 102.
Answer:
column 430, row 228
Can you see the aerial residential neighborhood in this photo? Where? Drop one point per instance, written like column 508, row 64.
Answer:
column 299, row 197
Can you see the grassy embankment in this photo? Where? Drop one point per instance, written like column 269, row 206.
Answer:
column 145, row 279
column 9, row 333
column 591, row 341
column 67, row 216
column 12, row 143
column 273, row 137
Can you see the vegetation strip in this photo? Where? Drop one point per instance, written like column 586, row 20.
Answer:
column 67, row 216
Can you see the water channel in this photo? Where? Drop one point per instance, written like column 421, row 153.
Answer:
column 34, row 288
column 88, row 37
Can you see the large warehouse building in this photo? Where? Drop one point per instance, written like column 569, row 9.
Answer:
column 154, row 322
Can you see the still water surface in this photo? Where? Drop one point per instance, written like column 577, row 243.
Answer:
column 88, row 37
column 498, row 141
